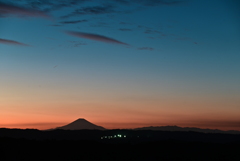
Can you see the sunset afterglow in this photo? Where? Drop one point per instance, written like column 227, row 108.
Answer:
column 120, row 64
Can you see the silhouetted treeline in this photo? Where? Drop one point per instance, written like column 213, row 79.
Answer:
column 81, row 150
column 117, row 145
column 126, row 135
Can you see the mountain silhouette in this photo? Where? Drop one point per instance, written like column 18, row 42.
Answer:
column 81, row 124
column 177, row 128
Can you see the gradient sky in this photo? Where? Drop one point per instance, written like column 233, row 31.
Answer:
column 119, row 63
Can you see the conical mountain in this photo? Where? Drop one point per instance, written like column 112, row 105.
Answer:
column 81, row 124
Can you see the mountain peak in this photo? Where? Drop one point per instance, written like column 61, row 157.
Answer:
column 81, row 124
column 81, row 119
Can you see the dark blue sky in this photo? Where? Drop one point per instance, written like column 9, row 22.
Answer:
column 142, row 62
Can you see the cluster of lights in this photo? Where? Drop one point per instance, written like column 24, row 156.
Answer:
column 114, row 136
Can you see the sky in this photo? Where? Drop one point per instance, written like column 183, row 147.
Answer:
column 120, row 63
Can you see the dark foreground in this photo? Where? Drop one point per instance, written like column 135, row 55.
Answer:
column 117, row 145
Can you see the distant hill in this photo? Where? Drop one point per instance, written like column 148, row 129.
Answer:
column 176, row 128
column 81, row 124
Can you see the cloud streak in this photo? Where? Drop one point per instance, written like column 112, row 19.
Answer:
column 39, row 8
column 95, row 37
column 146, row 48
column 160, row 2
column 53, row 4
column 73, row 22
column 9, row 9
column 91, row 10
column 11, row 42
column 150, row 2
column 124, row 29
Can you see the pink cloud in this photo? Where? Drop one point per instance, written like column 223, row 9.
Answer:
column 95, row 37
column 9, row 9
column 11, row 42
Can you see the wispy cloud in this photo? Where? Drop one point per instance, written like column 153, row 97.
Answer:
column 47, row 5
column 9, row 9
column 73, row 22
column 91, row 10
column 124, row 29
column 11, row 42
column 145, row 48
column 150, row 31
column 150, row 2
column 95, row 37
column 36, row 8
column 77, row 44
column 160, row 2
column 56, row 25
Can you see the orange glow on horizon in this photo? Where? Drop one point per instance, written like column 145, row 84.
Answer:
column 122, row 113
column 221, row 125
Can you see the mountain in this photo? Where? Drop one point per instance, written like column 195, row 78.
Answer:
column 176, row 128
column 81, row 124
